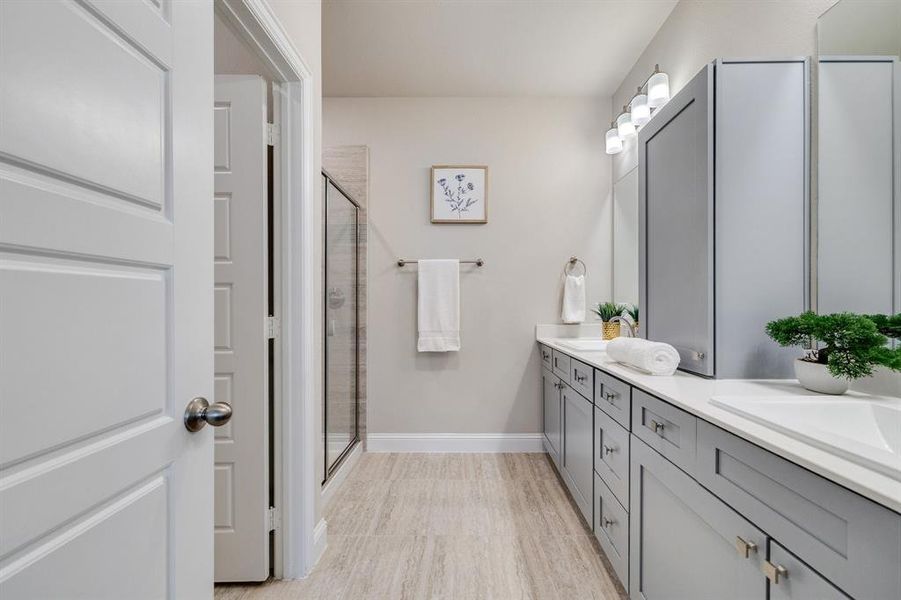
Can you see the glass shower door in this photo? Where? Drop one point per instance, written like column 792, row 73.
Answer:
column 341, row 360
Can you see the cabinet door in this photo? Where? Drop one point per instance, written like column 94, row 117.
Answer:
column 685, row 543
column 550, row 399
column 676, row 224
column 796, row 581
column 578, row 450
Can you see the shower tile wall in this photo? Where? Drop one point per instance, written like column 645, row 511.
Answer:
column 349, row 166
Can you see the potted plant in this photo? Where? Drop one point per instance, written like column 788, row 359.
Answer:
column 607, row 311
column 851, row 346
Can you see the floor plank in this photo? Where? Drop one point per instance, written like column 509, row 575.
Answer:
column 457, row 526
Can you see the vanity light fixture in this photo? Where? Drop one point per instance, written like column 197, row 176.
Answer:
column 614, row 142
column 639, row 110
column 624, row 125
column 658, row 88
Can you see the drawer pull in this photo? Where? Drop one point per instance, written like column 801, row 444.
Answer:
column 580, row 378
column 609, row 396
column 545, row 355
column 775, row 573
column 657, row 427
column 609, row 449
column 608, row 522
column 558, row 385
column 744, row 547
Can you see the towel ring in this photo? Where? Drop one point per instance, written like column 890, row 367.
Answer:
column 571, row 265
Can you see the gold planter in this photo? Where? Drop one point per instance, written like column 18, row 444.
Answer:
column 611, row 330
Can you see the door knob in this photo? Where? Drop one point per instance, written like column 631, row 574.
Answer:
column 200, row 412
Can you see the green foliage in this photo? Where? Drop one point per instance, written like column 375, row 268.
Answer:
column 632, row 311
column 608, row 310
column 852, row 344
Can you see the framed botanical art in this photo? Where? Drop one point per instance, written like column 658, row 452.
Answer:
column 459, row 194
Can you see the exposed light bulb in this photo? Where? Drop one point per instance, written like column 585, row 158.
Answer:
column 639, row 109
column 614, row 142
column 624, row 125
column 658, row 90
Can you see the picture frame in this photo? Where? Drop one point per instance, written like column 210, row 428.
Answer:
column 459, row 194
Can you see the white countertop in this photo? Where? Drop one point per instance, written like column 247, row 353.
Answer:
column 691, row 393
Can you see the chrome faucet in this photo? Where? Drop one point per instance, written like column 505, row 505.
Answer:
column 626, row 322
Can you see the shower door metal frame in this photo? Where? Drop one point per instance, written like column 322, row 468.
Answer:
column 328, row 470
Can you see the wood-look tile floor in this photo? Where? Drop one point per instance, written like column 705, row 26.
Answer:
column 455, row 526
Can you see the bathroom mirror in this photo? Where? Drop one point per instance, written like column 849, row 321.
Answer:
column 857, row 212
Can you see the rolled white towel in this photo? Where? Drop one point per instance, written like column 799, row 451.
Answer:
column 655, row 358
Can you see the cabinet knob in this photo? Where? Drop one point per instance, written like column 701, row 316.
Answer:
column 545, row 355
column 610, row 396
column 580, row 378
column 775, row 573
column 744, row 547
column 608, row 522
column 609, row 449
column 657, row 427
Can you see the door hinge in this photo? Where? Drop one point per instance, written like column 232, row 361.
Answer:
column 271, row 134
column 274, row 518
column 271, row 327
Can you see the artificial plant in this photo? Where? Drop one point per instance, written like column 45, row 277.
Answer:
column 608, row 310
column 852, row 344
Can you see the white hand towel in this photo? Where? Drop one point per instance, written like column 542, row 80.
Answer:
column 439, row 306
column 574, row 299
column 655, row 358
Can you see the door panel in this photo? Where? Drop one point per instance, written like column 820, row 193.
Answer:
column 241, row 306
column 683, row 539
column 676, row 225
column 105, row 299
column 578, row 449
column 801, row 582
column 551, row 401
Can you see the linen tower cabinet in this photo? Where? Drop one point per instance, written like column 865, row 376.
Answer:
column 723, row 213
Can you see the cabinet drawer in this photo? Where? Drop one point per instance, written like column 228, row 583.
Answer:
column 854, row 541
column 611, row 455
column 801, row 582
column 668, row 430
column 546, row 356
column 560, row 364
column 611, row 528
column 581, row 378
column 614, row 397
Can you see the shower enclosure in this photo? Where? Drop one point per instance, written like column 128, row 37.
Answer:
column 341, row 398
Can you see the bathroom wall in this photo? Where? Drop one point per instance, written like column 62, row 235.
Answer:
column 548, row 199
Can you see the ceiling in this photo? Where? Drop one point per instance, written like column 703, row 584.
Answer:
column 484, row 47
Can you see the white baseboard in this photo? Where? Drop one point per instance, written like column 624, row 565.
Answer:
column 338, row 477
column 454, row 442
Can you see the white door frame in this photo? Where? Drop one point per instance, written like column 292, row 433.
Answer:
column 299, row 540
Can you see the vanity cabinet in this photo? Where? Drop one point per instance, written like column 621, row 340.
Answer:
column 723, row 199
column 685, row 543
column 578, row 449
column 684, row 509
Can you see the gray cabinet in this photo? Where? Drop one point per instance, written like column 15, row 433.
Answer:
column 791, row 579
column 581, row 378
column 856, row 543
column 684, row 542
column 611, row 528
column 722, row 217
column 552, row 412
column 578, row 469
column 668, row 430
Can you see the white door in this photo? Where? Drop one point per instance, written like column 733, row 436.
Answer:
column 242, row 357
column 106, row 304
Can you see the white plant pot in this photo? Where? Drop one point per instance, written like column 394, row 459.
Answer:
column 817, row 378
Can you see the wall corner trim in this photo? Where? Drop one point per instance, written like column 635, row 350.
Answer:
column 455, row 442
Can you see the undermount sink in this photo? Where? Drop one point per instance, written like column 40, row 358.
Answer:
column 585, row 344
column 866, row 432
